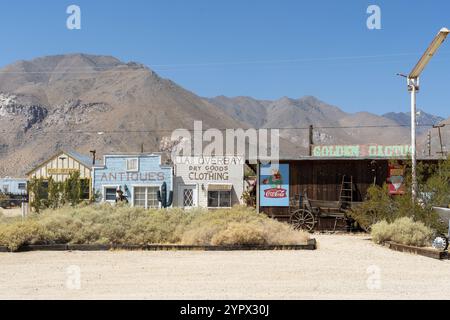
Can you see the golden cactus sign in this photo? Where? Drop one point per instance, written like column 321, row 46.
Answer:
column 358, row 151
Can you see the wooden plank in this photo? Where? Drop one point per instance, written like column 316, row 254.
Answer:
column 427, row 252
column 310, row 245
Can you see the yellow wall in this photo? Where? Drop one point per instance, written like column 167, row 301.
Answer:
column 60, row 170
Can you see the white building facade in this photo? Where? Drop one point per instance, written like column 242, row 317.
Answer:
column 208, row 181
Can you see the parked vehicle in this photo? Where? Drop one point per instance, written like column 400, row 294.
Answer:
column 441, row 241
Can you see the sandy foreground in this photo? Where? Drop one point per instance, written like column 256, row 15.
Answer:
column 344, row 267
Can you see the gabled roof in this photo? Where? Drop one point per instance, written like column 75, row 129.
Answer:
column 83, row 159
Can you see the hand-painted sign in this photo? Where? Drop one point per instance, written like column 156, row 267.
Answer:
column 209, row 168
column 274, row 185
column 396, row 179
column 355, row 151
column 132, row 176
column 61, row 170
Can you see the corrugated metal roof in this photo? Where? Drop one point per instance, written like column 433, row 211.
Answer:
column 83, row 159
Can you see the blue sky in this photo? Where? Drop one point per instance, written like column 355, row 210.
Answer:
column 264, row 49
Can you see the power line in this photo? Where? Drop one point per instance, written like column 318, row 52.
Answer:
column 90, row 69
column 105, row 132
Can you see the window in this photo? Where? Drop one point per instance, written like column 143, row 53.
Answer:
column 85, row 189
column 146, row 197
column 132, row 164
column 43, row 190
column 5, row 188
column 139, row 197
column 22, row 186
column 219, row 199
column 110, row 194
column 188, row 198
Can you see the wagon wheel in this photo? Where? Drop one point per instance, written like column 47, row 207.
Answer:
column 303, row 219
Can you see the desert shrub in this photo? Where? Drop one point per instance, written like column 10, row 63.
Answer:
column 15, row 234
column 240, row 225
column 433, row 190
column 403, row 230
column 106, row 224
column 282, row 233
column 381, row 232
column 380, row 206
column 239, row 234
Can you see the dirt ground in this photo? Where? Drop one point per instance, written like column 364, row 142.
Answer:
column 344, row 267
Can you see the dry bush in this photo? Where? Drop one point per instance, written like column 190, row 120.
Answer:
column 106, row 224
column 240, row 225
column 284, row 234
column 381, row 232
column 404, row 231
column 240, row 234
column 15, row 234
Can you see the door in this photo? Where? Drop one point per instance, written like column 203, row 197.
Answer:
column 187, row 196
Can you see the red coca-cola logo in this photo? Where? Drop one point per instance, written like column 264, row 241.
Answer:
column 275, row 193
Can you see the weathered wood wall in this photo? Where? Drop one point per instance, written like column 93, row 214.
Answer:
column 321, row 179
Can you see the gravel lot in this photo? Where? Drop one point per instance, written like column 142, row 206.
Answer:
column 344, row 267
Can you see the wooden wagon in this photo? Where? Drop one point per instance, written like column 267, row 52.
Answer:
column 306, row 213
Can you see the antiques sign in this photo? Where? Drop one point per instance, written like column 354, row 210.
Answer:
column 132, row 176
column 355, row 151
column 274, row 185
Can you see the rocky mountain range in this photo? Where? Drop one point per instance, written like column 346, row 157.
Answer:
column 331, row 124
column 87, row 102
column 424, row 120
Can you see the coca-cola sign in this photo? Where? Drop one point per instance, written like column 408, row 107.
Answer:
column 274, row 185
column 275, row 193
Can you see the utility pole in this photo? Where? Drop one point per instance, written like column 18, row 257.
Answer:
column 439, row 126
column 93, row 156
column 311, row 139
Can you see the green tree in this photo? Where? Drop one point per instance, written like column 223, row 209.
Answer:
column 38, row 191
column 72, row 191
column 433, row 190
column 55, row 199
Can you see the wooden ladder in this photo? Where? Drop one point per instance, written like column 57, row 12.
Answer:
column 346, row 195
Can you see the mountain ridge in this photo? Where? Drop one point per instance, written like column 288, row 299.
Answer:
column 65, row 100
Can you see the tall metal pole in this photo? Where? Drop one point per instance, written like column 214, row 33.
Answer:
column 413, row 86
column 413, row 83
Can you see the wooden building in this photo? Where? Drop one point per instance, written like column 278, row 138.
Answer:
column 208, row 182
column 321, row 176
column 61, row 165
column 322, row 179
column 138, row 176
